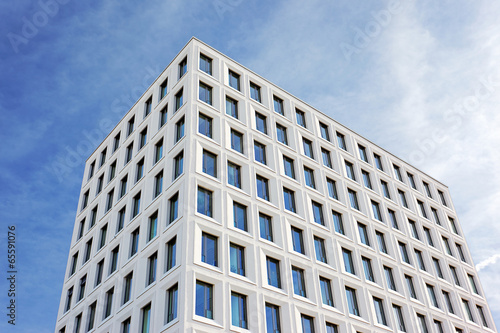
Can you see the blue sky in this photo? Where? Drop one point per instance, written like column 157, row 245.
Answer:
column 419, row 78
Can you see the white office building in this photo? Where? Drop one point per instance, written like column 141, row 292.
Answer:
column 220, row 203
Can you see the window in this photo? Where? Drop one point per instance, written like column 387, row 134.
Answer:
column 152, row 261
column 363, row 234
column 206, row 64
column 179, row 130
column 231, row 107
column 146, row 318
column 112, row 171
column 353, row 198
column 179, row 99
column 398, row 313
column 420, row 260
column 376, row 211
column 172, row 295
column 473, row 284
column 366, row 179
column 278, row 105
column 266, row 227
column 262, row 187
column 98, row 272
column 136, row 205
column 327, row 161
column 367, row 267
column 447, row 246
column 307, row 324
column 453, row 225
column 468, row 310
column 352, row 301
column 114, row 260
column 326, row 291
column 299, row 284
column 88, row 250
column 130, row 126
column 378, row 162
column 381, row 242
column 158, row 151
column 422, row 324
column 319, row 247
column 308, row 148
column 289, row 198
column 402, row 197
column 421, row 206
column 128, row 152
column 81, row 293
column 337, row 222
column 288, row 166
column 102, row 237
column 91, row 316
column 393, row 218
column 143, row 138
column 448, row 302
column 437, row 267
column 260, row 152
column 397, row 172
column 178, row 164
column 427, row 189
column 273, row 272
column 379, row 311
column 482, row 315
column 109, row 303
column 332, row 188
column 432, row 295
column 460, row 252
column 261, row 122
column 237, row 259
column 414, row 231
column 341, row 141
column 204, row 300
column 152, row 226
column 205, row 125
column 349, row 170
column 454, row 273
column 233, row 174
column 301, row 117
column 298, row 241
column 240, row 216
column 209, row 163
column 273, row 324
column 116, row 142
column 255, row 92
column 404, row 253
column 78, row 323
column 385, row 189
column 411, row 287
column 442, row 197
column 171, row 254
column 309, row 177
column 93, row 217
column 100, row 180
column 209, row 249
column 436, row 216
column 182, row 67
column 134, row 242
column 234, row 80
column 69, row 295
column 348, row 263
column 411, row 180
column 103, row 157
column 237, row 141
column 163, row 88
column 173, row 204
column 281, row 134
column 127, row 288
column 362, row 153
column 74, row 261
column 428, row 235
column 163, row 116
column 318, row 213
column 439, row 326
column 81, row 227
column 324, row 131
column 391, row 284
column 158, row 184
column 239, row 310
column 204, row 201
column 139, row 172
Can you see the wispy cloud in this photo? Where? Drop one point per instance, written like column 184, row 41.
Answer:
column 487, row 262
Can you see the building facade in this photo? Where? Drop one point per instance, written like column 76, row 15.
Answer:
column 220, row 202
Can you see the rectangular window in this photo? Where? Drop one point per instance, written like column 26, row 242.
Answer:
column 460, row 252
column 74, row 262
column 367, row 267
column 473, row 284
column 173, row 204
column 397, row 172
column 136, row 205
column 239, row 310
column 454, row 273
column 422, row 323
column 266, row 227
column 116, row 142
column 98, row 272
column 103, row 157
column 436, row 216
column 301, row 117
column 448, row 302
column 158, row 151
column 130, row 126
column 299, row 284
column 273, row 324
column 402, row 197
column 420, row 260
column 278, row 105
column 158, row 184
column 363, row 234
column 432, row 295
column 411, row 180
column 349, row 170
column 352, row 301
column 385, row 189
column 428, row 235
column 319, row 248
column 178, row 164
column 81, row 228
column 437, row 267
column 231, row 107
column 337, row 222
column 234, row 174
column 376, row 211
column 109, row 200
column 366, row 179
column 411, row 287
column 78, row 323
column 237, row 259
column 298, row 241
column 324, row 131
column 341, row 141
column 172, row 297
column 171, row 254
column 113, row 265
column 182, row 67
column 326, row 291
column 152, row 226
column 262, row 187
column 209, row 163
column 348, row 263
column 179, row 99
column 393, row 218
column 379, row 311
column 391, row 284
column 91, row 170
column 234, row 80
column 421, row 206
column 206, row 64
column 109, row 303
column 127, row 288
column 143, row 138
column 88, row 251
column 134, row 242
column 260, row 152
column 237, row 141
column 112, row 171
column 146, row 318
column 128, row 153
column 91, row 316
column 309, row 177
column 204, row 300
column 439, row 326
column 209, row 249
column 163, row 116
column 289, row 167
column 81, row 293
column 261, row 122
column 467, row 310
column 289, row 199
column 453, row 225
column 240, row 216
column 400, row 322
column 307, row 324
column 442, row 197
column 327, row 161
column 353, row 198
column 255, row 92
column 413, row 228
column 69, row 296
column 427, row 190
column 447, row 246
column 179, row 130
column 362, row 153
column 378, row 162
column 332, row 188
column 139, row 171
column 205, row 125
column 404, row 253
column 100, row 180
column 152, row 262
column 163, row 88
column 381, row 242
column 273, row 272
column 204, row 201
column 482, row 315
column 318, row 213
column 102, row 237
column 281, row 134
column 308, row 148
